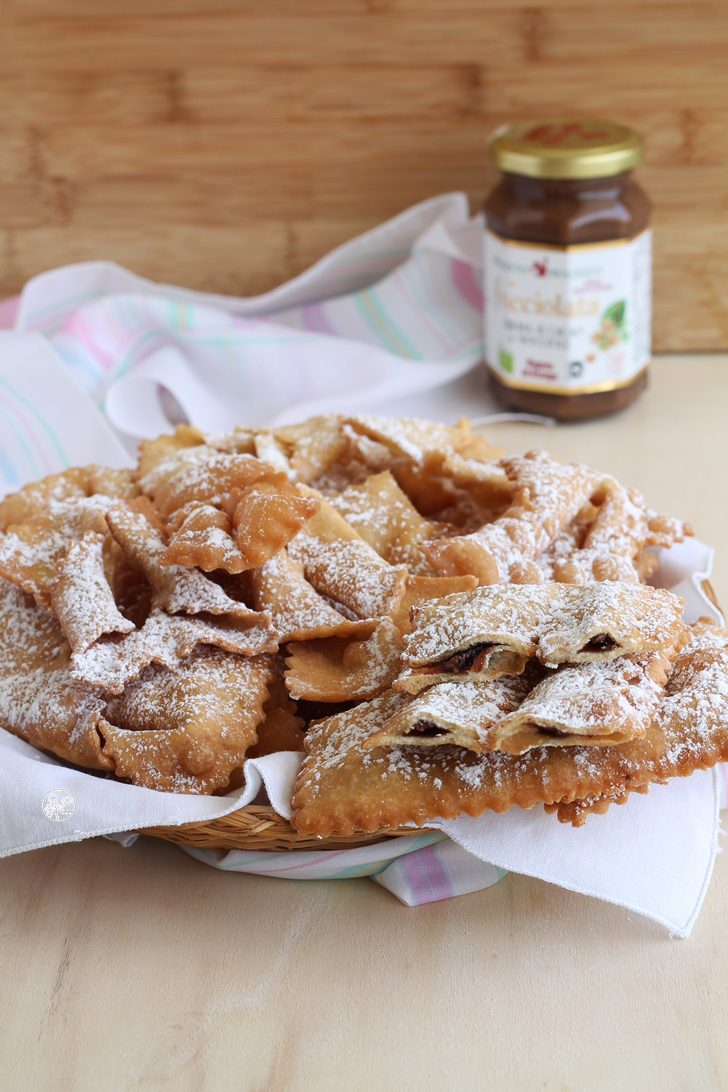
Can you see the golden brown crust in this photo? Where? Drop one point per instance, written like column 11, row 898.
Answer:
column 548, row 494
column 343, row 788
column 336, row 669
column 600, row 703
column 186, row 729
column 40, row 701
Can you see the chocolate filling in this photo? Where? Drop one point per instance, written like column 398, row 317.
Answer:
column 600, row 642
column 426, row 728
column 467, row 659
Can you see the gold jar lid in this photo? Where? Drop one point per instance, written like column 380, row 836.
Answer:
column 566, row 148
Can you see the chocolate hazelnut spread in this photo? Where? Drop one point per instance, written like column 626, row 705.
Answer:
column 567, row 268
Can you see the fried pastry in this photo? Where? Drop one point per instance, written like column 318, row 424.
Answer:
column 115, row 660
column 461, row 714
column 609, row 619
column 162, row 458
column 423, row 589
column 212, row 480
column 186, row 728
column 265, row 518
column 40, row 701
column 343, row 788
column 424, row 441
column 576, row 812
column 547, row 495
column 615, row 543
column 385, row 517
column 298, row 612
column 269, row 450
column 33, row 498
column 599, row 704
column 232, row 511
column 30, row 551
column 73, row 484
column 81, row 597
column 201, row 534
column 175, row 588
column 312, row 446
column 493, row 630
column 341, row 565
column 281, row 728
column 486, row 482
column 335, row 669
column 434, row 604
column 236, row 441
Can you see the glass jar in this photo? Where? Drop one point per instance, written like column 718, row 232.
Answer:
column 568, row 264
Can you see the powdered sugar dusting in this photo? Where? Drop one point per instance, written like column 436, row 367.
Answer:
column 82, row 599
column 163, row 639
column 555, row 621
column 350, row 572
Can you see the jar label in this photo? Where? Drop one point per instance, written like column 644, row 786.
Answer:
column 568, row 320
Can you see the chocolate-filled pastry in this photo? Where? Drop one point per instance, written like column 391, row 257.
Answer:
column 493, row 630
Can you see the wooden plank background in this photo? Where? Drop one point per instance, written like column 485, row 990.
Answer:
column 226, row 145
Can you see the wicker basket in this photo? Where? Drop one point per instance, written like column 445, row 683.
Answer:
column 257, row 827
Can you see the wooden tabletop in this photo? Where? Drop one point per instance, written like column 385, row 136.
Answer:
column 225, row 146
column 144, row 969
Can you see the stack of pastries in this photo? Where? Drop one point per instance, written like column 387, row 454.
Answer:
column 440, row 629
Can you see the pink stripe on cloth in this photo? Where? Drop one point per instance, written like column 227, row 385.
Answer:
column 464, row 280
column 315, row 318
column 8, row 311
column 426, row 876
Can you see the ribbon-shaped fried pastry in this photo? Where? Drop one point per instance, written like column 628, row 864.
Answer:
column 175, row 588
column 185, row 729
column 212, row 480
column 40, row 701
column 344, row 788
column 616, row 543
column 281, row 729
column 312, row 446
column 336, row 669
column 385, row 517
column 81, row 597
column 232, row 512
column 548, row 494
column 160, row 459
column 423, row 589
column 462, row 714
column 113, row 661
column 74, row 484
column 30, row 551
column 341, row 565
column 298, row 612
column 599, row 703
column 493, row 630
column 424, row 442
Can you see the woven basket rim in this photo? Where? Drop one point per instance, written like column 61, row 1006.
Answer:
column 260, row 827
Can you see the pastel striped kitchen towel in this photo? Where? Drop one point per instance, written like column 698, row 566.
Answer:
column 379, row 324
column 426, row 867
